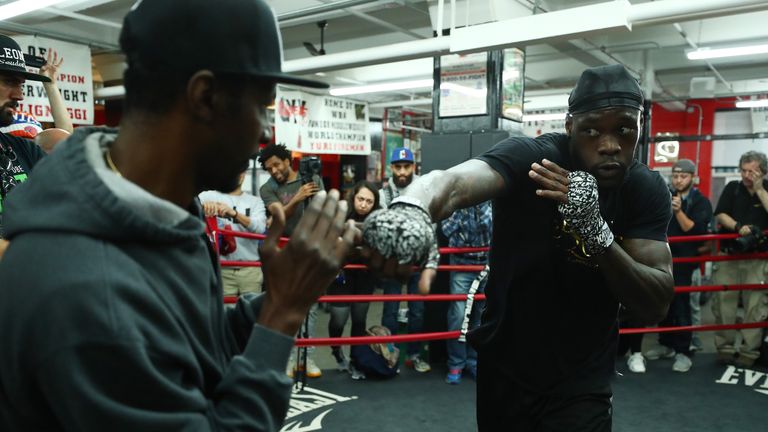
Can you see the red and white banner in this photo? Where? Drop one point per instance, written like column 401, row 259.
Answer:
column 75, row 80
column 309, row 123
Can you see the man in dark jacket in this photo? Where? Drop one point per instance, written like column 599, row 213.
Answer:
column 111, row 309
column 691, row 215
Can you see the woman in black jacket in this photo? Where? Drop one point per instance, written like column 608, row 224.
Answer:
column 363, row 199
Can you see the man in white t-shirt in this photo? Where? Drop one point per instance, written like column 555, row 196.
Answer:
column 243, row 212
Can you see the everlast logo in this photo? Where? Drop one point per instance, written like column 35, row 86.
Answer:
column 758, row 381
column 12, row 57
column 307, row 400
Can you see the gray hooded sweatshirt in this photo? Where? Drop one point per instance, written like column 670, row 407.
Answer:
column 111, row 312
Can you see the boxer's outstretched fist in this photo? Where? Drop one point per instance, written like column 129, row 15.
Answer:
column 403, row 233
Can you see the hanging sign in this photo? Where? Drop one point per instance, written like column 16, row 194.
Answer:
column 320, row 124
column 74, row 80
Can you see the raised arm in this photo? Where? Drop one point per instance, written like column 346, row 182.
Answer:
column 59, row 112
column 462, row 186
column 638, row 271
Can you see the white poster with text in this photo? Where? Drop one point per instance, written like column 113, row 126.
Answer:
column 309, row 123
column 74, row 80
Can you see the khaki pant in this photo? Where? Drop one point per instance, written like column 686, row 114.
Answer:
column 239, row 280
column 725, row 304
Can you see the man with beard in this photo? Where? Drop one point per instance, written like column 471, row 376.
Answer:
column 286, row 191
column 18, row 155
column 111, row 310
column 403, row 173
column 285, row 187
column 692, row 214
column 579, row 226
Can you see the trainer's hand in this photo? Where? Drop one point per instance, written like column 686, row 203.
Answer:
column 299, row 273
column 397, row 238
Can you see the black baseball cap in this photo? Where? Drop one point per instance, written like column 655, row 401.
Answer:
column 684, row 165
column 605, row 87
column 225, row 36
column 12, row 60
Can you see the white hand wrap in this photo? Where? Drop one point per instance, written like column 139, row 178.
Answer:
column 404, row 231
column 582, row 213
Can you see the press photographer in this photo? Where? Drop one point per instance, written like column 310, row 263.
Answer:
column 742, row 209
column 291, row 190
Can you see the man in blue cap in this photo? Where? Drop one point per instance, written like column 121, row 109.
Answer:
column 579, row 227
column 403, row 167
column 111, row 304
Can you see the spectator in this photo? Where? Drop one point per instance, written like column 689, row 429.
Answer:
column 285, row 187
column 742, row 209
column 403, row 173
column 692, row 214
column 18, row 155
column 247, row 213
column 362, row 200
column 469, row 227
column 122, row 325
column 286, row 190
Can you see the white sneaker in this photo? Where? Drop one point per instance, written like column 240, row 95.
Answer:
column 312, row 370
column 660, row 351
column 636, row 363
column 290, row 368
column 682, row 363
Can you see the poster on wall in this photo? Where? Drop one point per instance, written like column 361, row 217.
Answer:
column 320, row 124
column 463, row 85
column 74, row 80
column 513, row 84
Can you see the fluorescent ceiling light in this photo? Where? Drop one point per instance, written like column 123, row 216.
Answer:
column 707, row 53
column 21, row 7
column 378, row 88
column 544, row 117
column 755, row 103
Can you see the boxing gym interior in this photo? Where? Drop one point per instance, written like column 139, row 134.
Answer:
column 418, row 87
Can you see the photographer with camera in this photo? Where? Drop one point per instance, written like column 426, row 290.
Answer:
column 292, row 191
column 743, row 209
column 287, row 187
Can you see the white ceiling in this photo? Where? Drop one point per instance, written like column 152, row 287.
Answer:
column 551, row 67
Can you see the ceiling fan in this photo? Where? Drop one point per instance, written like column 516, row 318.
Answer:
column 311, row 47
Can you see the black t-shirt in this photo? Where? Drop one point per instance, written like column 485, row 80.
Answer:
column 698, row 208
column 17, row 158
column 736, row 202
column 551, row 320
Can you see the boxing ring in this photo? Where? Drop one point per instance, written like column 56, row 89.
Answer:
column 741, row 388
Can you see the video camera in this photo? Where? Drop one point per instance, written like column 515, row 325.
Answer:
column 309, row 167
column 755, row 241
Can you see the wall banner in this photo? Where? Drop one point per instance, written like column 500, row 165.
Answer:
column 320, row 124
column 75, row 80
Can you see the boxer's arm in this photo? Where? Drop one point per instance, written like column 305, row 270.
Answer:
column 639, row 272
column 462, row 186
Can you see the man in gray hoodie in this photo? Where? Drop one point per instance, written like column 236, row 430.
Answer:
column 111, row 311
